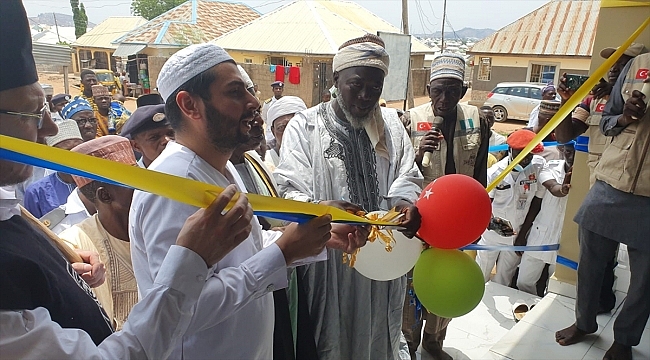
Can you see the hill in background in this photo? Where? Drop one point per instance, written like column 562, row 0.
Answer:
column 48, row 19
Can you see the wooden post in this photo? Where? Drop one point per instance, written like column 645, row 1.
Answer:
column 405, row 29
column 66, row 83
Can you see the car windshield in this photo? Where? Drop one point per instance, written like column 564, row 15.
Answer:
column 104, row 77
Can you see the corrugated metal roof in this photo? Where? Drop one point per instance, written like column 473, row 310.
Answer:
column 192, row 22
column 48, row 54
column 559, row 28
column 103, row 35
column 314, row 27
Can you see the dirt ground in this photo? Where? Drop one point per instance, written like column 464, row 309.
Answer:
column 56, row 80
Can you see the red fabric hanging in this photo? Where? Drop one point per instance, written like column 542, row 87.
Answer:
column 294, row 75
column 279, row 73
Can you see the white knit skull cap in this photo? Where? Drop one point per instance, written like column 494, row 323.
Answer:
column 186, row 64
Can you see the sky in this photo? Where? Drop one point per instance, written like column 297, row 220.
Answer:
column 425, row 16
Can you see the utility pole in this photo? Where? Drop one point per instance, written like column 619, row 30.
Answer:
column 405, row 29
column 56, row 25
column 444, row 18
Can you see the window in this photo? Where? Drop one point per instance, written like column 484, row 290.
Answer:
column 500, row 90
column 248, row 61
column 542, row 73
column 484, row 69
column 536, row 93
column 277, row 60
column 518, row 91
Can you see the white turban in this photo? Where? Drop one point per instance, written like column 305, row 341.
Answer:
column 186, row 64
column 244, row 75
column 285, row 106
column 361, row 54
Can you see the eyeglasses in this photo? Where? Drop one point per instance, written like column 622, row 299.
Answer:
column 44, row 111
column 83, row 121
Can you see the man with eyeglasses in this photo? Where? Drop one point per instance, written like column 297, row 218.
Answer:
column 448, row 138
column 81, row 111
column 278, row 116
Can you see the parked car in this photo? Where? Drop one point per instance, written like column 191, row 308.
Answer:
column 514, row 100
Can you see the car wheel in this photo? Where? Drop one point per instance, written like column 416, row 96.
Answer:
column 500, row 113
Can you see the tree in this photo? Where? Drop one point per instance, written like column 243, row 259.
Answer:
column 149, row 9
column 79, row 17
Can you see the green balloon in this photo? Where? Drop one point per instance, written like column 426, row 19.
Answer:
column 448, row 283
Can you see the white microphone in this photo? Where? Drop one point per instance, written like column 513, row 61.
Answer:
column 426, row 159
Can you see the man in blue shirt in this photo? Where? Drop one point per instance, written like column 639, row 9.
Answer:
column 50, row 192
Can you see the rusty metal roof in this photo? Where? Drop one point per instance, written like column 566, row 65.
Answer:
column 312, row 27
column 192, row 22
column 559, row 28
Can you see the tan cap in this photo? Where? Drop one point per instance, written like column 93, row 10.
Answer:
column 634, row 50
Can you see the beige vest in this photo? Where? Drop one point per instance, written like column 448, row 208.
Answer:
column 597, row 140
column 467, row 140
column 625, row 163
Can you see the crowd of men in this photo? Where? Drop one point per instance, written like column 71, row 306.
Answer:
column 95, row 269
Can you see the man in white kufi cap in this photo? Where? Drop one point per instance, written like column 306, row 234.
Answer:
column 210, row 110
column 352, row 149
column 278, row 117
column 448, row 138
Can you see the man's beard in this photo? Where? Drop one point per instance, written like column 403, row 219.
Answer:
column 220, row 132
column 356, row 122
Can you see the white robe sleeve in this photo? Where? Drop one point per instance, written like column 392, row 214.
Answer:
column 158, row 221
column 294, row 174
column 167, row 308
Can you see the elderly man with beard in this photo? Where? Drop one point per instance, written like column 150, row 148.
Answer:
column 352, row 149
column 208, row 106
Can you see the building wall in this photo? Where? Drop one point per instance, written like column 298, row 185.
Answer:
column 420, row 79
column 155, row 63
column 614, row 27
column 517, row 68
column 261, row 75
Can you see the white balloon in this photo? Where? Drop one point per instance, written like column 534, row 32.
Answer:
column 374, row 262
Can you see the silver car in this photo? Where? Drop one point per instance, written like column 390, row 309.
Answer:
column 514, row 100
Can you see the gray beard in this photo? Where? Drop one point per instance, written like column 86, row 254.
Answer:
column 356, row 122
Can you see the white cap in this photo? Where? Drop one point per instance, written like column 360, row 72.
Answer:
column 285, row 106
column 48, row 89
column 244, row 75
column 68, row 129
column 186, row 64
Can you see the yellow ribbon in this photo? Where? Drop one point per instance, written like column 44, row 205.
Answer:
column 376, row 233
column 180, row 189
column 568, row 107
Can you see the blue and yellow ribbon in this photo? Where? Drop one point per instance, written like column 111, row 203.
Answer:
column 180, row 189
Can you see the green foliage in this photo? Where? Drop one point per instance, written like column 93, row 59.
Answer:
column 79, row 17
column 149, row 9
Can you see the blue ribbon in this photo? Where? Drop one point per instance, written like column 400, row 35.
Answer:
column 567, row 262
column 553, row 247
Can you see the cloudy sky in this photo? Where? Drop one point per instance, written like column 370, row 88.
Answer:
column 425, row 16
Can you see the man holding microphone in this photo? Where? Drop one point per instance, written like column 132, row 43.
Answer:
column 449, row 138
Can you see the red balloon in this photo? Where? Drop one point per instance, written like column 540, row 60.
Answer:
column 455, row 211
